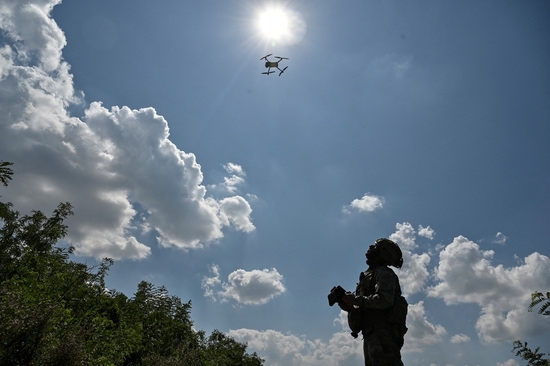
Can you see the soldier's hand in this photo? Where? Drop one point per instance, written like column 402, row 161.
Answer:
column 349, row 298
column 347, row 301
column 345, row 306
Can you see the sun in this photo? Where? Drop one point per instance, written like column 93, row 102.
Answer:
column 273, row 23
column 280, row 25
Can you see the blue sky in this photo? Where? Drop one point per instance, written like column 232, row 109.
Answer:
column 252, row 195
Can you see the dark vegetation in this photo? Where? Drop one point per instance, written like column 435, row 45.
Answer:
column 521, row 349
column 54, row 311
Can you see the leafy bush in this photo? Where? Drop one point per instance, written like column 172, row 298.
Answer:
column 58, row 312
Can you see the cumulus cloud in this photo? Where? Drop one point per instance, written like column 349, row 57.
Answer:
column 28, row 23
column 117, row 165
column 233, row 168
column 236, row 210
column 421, row 331
column 426, row 232
column 256, row 287
column 231, row 183
column 414, row 273
column 342, row 320
column 465, row 274
column 209, row 284
column 280, row 349
column 367, row 203
column 460, row 338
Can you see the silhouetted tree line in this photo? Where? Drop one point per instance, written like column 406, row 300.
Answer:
column 54, row 311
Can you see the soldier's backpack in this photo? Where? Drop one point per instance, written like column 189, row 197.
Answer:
column 398, row 313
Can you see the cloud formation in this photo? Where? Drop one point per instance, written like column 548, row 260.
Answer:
column 500, row 238
column 256, row 287
column 117, row 165
column 465, row 274
column 280, row 349
column 367, row 203
column 414, row 273
column 460, row 338
column 421, row 331
column 231, row 183
column 426, row 232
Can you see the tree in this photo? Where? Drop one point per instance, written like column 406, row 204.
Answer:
column 221, row 350
column 55, row 311
column 534, row 357
column 167, row 335
column 538, row 298
column 5, row 172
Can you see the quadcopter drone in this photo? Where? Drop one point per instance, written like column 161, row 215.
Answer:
column 275, row 64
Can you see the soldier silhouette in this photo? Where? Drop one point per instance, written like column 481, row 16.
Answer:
column 377, row 308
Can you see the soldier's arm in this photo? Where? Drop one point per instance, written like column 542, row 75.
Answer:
column 383, row 297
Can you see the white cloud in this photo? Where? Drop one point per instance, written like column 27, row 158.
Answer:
column 510, row 362
column 233, row 168
column 256, row 287
column 236, row 210
column 231, row 183
column 460, row 338
column 342, row 320
column 116, row 166
column 29, row 23
column 279, row 349
column 465, row 274
column 426, row 232
column 421, row 332
column 500, row 238
column 367, row 203
column 209, row 284
column 404, row 236
column 414, row 273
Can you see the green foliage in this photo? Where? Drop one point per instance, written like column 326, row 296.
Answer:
column 5, row 172
column 538, row 298
column 221, row 350
column 534, row 357
column 55, row 311
column 166, row 327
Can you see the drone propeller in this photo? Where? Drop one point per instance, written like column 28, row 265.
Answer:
column 283, row 70
column 265, row 57
column 281, row 58
column 268, row 72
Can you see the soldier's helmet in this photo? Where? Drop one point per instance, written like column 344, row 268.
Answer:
column 390, row 252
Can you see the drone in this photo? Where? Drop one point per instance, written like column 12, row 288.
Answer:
column 270, row 64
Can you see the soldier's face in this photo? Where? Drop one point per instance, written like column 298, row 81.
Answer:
column 372, row 253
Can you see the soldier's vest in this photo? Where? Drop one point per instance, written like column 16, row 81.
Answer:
column 360, row 319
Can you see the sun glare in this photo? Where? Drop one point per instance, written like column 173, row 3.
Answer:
column 280, row 25
column 273, row 23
